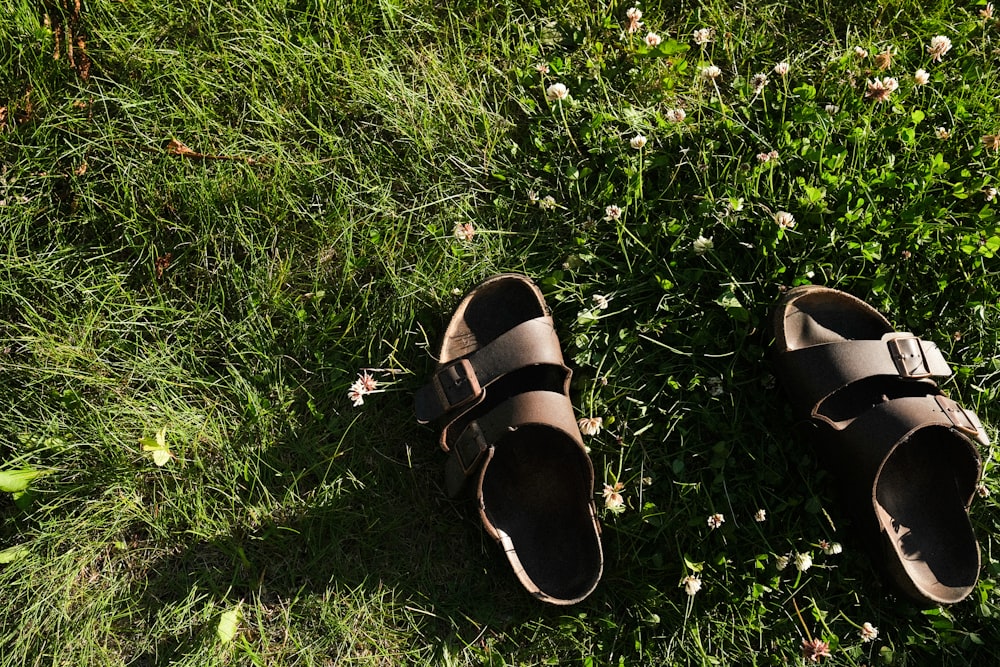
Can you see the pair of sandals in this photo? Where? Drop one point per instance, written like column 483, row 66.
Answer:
column 906, row 456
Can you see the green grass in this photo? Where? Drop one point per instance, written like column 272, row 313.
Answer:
column 233, row 299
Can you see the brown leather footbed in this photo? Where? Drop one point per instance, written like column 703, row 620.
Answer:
column 536, row 491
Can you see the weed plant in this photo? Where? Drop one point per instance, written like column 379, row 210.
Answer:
column 215, row 216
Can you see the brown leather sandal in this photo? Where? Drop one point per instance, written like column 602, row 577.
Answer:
column 501, row 393
column 905, row 455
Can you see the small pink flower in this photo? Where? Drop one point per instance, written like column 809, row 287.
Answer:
column 368, row 382
column 464, row 231
column 815, row 649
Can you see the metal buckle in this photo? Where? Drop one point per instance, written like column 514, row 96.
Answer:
column 958, row 416
column 908, row 356
column 460, row 385
column 473, row 435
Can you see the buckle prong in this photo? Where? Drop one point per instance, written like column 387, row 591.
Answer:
column 459, row 385
column 903, row 351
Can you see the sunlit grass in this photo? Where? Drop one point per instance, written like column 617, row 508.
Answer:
column 348, row 170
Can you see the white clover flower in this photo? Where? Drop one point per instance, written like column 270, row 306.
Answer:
column 831, row 548
column 542, row 68
column 879, row 90
column 883, row 60
column 781, row 69
column 613, row 499
column 590, row 425
column 860, row 52
column 634, row 24
column 784, row 219
column 939, row 46
column 653, row 40
column 921, row 77
column 781, row 562
column 942, row 133
column 355, row 395
column 600, row 301
column 676, row 115
column 703, row 36
column 557, row 92
column 367, row 381
column 716, row 520
column 803, row 562
column 464, row 231
column 868, row 632
column 702, row 245
column 758, row 82
column 364, row 385
column 832, row 109
column 760, row 516
column 547, row 203
column 990, row 193
column 637, row 142
column 612, row 212
column 532, row 197
column 691, row 584
column 712, row 72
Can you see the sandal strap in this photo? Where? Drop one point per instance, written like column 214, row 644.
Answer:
column 462, row 383
column 818, row 371
column 479, row 436
column 869, row 439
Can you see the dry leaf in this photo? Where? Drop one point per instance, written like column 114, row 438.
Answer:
column 162, row 264
column 178, row 148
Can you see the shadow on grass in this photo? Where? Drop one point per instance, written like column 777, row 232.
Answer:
column 362, row 523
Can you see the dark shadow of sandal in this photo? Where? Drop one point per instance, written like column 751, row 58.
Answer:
column 501, row 393
column 905, row 455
